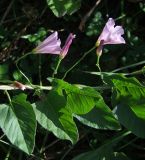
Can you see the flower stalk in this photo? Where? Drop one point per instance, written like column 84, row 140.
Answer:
column 17, row 61
column 111, row 34
column 57, row 66
column 84, row 55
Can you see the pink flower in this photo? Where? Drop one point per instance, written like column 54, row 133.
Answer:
column 111, row 34
column 50, row 45
column 67, row 45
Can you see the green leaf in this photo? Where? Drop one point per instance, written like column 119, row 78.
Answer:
column 62, row 7
column 127, row 90
column 70, row 88
column 131, row 119
column 101, row 117
column 18, row 122
column 129, row 99
column 48, row 115
column 69, row 125
column 81, row 102
column 4, row 69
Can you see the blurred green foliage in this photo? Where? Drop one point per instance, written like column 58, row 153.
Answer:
column 62, row 7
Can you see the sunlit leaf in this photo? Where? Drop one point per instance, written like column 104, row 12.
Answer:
column 49, row 116
column 129, row 99
column 18, row 122
column 131, row 119
column 100, row 117
column 88, row 106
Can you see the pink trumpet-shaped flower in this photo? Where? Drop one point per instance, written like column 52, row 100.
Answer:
column 67, row 45
column 50, row 45
column 111, row 34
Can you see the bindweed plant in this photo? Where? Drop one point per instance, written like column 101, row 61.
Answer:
column 61, row 105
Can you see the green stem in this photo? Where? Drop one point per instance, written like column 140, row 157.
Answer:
column 17, row 61
column 115, row 139
column 23, row 75
column 4, row 149
column 2, row 136
column 9, row 98
column 57, row 66
column 8, row 154
column 22, row 57
column 142, row 71
column 5, row 142
column 44, row 142
column 85, row 54
column 53, row 143
column 67, row 152
column 125, row 145
column 98, row 65
column 129, row 66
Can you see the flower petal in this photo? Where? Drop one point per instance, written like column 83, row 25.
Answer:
column 109, row 27
column 67, row 45
column 49, row 45
column 51, row 39
column 118, row 30
column 111, row 34
column 110, row 24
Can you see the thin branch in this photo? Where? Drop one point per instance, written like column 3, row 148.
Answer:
column 29, row 87
column 11, row 87
column 88, row 14
column 129, row 66
column 6, row 12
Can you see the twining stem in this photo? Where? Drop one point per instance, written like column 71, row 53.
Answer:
column 22, row 57
column 17, row 61
column 98, row 65
column 84, row 55
column 57, row 66
column 23, row 74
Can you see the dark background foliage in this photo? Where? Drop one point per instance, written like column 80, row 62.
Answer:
column 23, row 24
